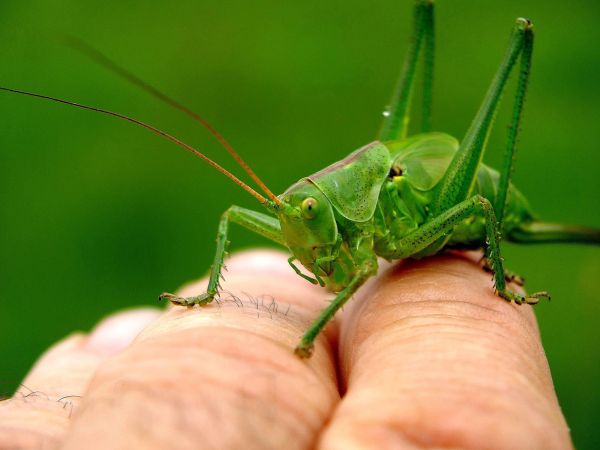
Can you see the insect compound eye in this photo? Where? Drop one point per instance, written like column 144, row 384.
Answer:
column 310, row 208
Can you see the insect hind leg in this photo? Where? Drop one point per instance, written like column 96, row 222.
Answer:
column 397, row 116
column 459, row 178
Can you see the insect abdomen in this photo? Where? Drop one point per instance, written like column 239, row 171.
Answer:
column 471, row 232
column 403, row 203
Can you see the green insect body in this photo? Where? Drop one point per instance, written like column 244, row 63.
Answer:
column 398, row 197
column 405, row 197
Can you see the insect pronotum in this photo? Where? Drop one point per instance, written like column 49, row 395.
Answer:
column 398, row 197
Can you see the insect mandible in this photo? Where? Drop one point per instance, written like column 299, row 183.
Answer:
column 398, row 197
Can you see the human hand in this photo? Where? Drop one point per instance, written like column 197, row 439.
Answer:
column 425, row 356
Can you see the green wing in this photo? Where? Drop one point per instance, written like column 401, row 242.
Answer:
column 352, row 185
column 423, row 158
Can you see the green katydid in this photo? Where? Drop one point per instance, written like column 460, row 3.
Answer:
column 398, row 197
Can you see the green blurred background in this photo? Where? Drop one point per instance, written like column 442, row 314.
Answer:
column 98, row 215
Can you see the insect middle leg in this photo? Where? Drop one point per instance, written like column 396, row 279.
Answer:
column 262, row 224
column 509, row 276
column 443, row 224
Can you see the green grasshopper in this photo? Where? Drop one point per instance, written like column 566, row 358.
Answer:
column 398, row 197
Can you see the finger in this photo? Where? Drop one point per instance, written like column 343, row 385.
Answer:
column 220, row 376
column 433, row 359
column 39, row 413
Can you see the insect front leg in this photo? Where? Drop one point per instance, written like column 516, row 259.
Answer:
column 306, row 345
column 262, row 224
column 442, row 225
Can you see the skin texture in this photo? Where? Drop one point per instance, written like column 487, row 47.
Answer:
column 424, row 356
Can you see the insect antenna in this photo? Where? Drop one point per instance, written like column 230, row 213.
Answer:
column 100, row 58
column 155, row 130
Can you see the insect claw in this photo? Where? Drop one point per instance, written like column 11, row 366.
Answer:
column 534, row 298
column 167, row 296
column 304, row 350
